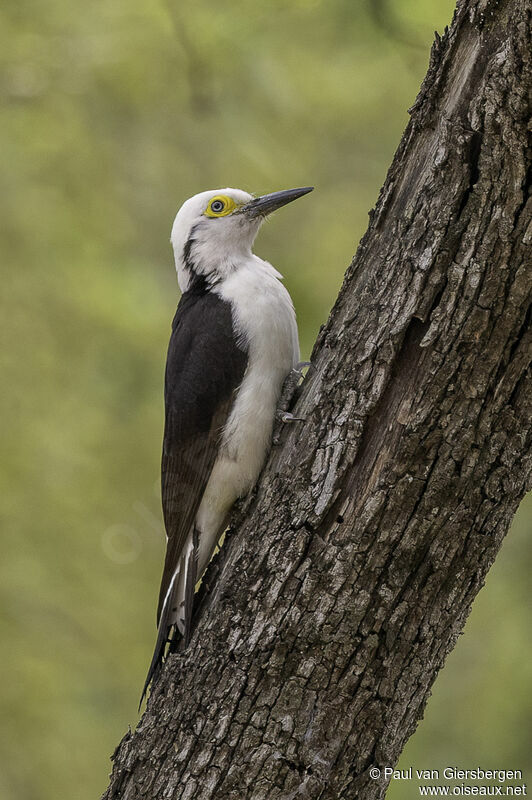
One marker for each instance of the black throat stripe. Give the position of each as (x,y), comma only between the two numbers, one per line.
(198,282)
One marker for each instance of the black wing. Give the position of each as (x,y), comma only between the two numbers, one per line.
(205,365)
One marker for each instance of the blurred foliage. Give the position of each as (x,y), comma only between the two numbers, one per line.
(113,113)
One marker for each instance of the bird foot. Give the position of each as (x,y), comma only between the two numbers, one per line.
(300,366)
(290,385)
(286,400)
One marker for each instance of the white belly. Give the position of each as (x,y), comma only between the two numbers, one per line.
(263,315)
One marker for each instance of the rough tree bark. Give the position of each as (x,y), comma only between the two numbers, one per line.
(351,573)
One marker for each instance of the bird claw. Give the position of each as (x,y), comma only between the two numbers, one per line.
(301,365)
(286,416)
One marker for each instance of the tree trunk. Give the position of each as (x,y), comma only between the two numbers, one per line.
(352,571)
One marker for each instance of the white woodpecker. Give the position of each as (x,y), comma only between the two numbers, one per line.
(234,341)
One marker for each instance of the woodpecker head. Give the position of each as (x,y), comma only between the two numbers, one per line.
(214,230)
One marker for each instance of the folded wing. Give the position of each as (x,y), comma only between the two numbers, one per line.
(205,365)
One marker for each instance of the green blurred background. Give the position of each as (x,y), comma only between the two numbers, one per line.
(113,113)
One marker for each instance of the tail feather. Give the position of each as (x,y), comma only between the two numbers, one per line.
(156,661)
(190,584)
(164,629)
(172,602)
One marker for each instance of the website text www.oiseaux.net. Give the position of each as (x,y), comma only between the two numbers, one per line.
(465,782)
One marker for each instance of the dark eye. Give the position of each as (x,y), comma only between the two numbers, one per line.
(217,206)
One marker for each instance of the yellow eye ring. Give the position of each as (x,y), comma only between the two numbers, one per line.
(220,206)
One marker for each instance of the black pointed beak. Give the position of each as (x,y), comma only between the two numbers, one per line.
(262,206)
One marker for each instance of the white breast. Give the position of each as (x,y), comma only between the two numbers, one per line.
(263,315)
